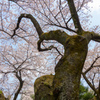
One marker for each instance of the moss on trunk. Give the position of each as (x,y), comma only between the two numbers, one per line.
(68,70)
(2,96)
(66,81)
(43,88)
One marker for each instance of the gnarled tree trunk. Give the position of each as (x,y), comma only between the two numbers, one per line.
(68,70)
(66,81)
(65,84)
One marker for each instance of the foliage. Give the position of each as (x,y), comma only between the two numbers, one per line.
(32,96)
(0,92)
(84,93)
(2,95)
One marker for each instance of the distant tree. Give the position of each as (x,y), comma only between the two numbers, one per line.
(18,69)
(84,93)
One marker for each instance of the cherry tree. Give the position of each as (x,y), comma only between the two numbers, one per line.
(19,68)
(63,21)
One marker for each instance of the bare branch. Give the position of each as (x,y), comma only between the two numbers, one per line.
(49,48)
(92,65)
(61,12)
(75,16)
(5,32)
(64,27)
(20,85)
(92,85)
(57,35)
(76,11)
(96,66)
(96,37)
(51,13)
(89,83)
(34,21)
(14,0)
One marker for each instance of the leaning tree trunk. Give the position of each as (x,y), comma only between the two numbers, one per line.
(68,70)
(66,81)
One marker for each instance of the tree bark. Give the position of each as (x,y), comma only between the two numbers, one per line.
(68,71)
(74,16)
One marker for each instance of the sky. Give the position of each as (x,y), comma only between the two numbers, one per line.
(95,12)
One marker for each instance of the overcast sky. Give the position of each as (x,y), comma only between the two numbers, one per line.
(95,11)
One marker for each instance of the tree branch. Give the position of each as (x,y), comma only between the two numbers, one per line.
(34,21)
(99,88)
(59,36)
(89,83)
(91,36)
(64,27)
(46,49)
(76,11)
(75,16)
(20,86)
(96,37)
(92,65)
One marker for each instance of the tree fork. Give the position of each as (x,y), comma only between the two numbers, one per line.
(33,20)
(75,16)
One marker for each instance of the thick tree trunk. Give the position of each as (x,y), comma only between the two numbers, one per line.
(68,70)
(98,97)
(66,80)
(43,88)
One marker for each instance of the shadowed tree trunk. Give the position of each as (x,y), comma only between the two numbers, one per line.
(69,68)
(66,80)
